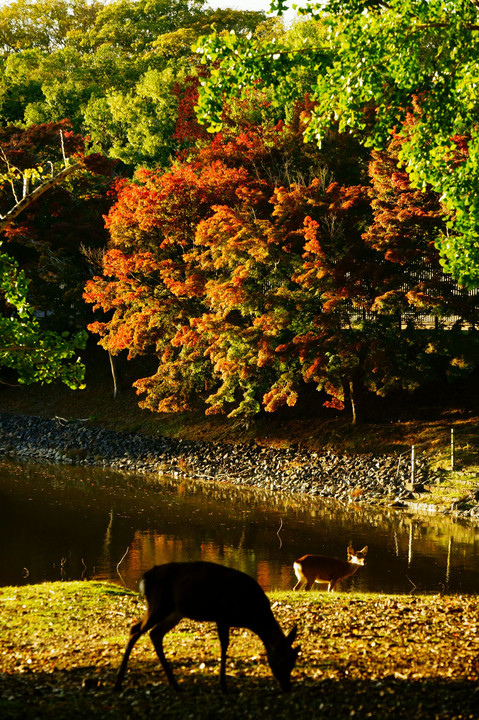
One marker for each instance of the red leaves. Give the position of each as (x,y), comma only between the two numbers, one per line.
(188,130)
(282,393)
(247,285)
(118,264)
(226,258)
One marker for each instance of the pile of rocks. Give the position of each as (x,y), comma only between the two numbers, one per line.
(345,477)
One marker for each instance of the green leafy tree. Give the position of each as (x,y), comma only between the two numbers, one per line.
(132,27)
(44,24)
(29,352)
(409,66)
(113,69)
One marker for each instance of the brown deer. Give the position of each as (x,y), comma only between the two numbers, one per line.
(318,568)
(209,592)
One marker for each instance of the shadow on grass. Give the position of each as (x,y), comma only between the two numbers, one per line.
(88,692)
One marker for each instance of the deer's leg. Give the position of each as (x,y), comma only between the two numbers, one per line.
(136,632)
(224,636)
(302,579)
(157,635)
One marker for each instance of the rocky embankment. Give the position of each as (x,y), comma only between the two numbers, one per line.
(367,478)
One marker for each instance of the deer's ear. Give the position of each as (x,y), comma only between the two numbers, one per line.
(351,550)
(365,550)
(291,636)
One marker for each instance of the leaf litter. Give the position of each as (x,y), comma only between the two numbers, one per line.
(362,656)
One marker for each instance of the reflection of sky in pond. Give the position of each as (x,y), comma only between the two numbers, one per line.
(65,522)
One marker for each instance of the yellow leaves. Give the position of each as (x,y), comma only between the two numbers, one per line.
(273,321)
(191,286)
(389,302)
(28,177)
(224,296)
(422,300)
(283,392)
(250,195)
(259,252)
(460,362)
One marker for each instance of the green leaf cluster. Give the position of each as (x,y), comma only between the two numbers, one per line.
(33,354)
(287,63)
(408,67)
(111,68)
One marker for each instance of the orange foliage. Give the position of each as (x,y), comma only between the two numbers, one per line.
(244,283)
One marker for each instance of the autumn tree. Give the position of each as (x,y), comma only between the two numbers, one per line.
(406,223)
(204,265)
(52,198)
(152,286)
(378,64)
(332,296)
(414,325)
(262,267)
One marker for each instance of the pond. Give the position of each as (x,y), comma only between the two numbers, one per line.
(63,522)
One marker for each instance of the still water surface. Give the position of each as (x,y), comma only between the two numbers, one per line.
(71,523)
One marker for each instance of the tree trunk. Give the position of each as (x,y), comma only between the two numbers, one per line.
(116,376)
(355,395)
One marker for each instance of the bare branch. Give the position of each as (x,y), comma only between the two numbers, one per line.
(7,163)
(7,219)
(65,159)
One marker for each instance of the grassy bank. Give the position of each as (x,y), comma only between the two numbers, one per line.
(361,656)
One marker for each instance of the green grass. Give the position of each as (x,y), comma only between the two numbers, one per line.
(361,655)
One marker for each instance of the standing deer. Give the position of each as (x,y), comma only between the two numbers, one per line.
(209,592)
(318,568)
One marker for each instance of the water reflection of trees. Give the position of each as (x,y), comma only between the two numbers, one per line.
(258,531)
(403,534)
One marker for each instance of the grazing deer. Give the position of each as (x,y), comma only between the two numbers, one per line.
(318,568)
(210,592)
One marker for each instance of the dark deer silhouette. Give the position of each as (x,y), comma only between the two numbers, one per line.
(209,592)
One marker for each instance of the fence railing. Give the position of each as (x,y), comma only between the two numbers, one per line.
(452,456)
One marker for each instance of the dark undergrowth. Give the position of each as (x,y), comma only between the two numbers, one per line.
(392,425)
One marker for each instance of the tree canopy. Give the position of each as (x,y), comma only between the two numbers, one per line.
(115,70)
(51,198)
(299,247)
(406,66)
(262,265)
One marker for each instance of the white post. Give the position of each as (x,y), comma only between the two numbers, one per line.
(409,554)
(448,565)
(452,449)
(410,484)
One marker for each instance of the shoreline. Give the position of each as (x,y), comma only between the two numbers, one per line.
(363,478)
